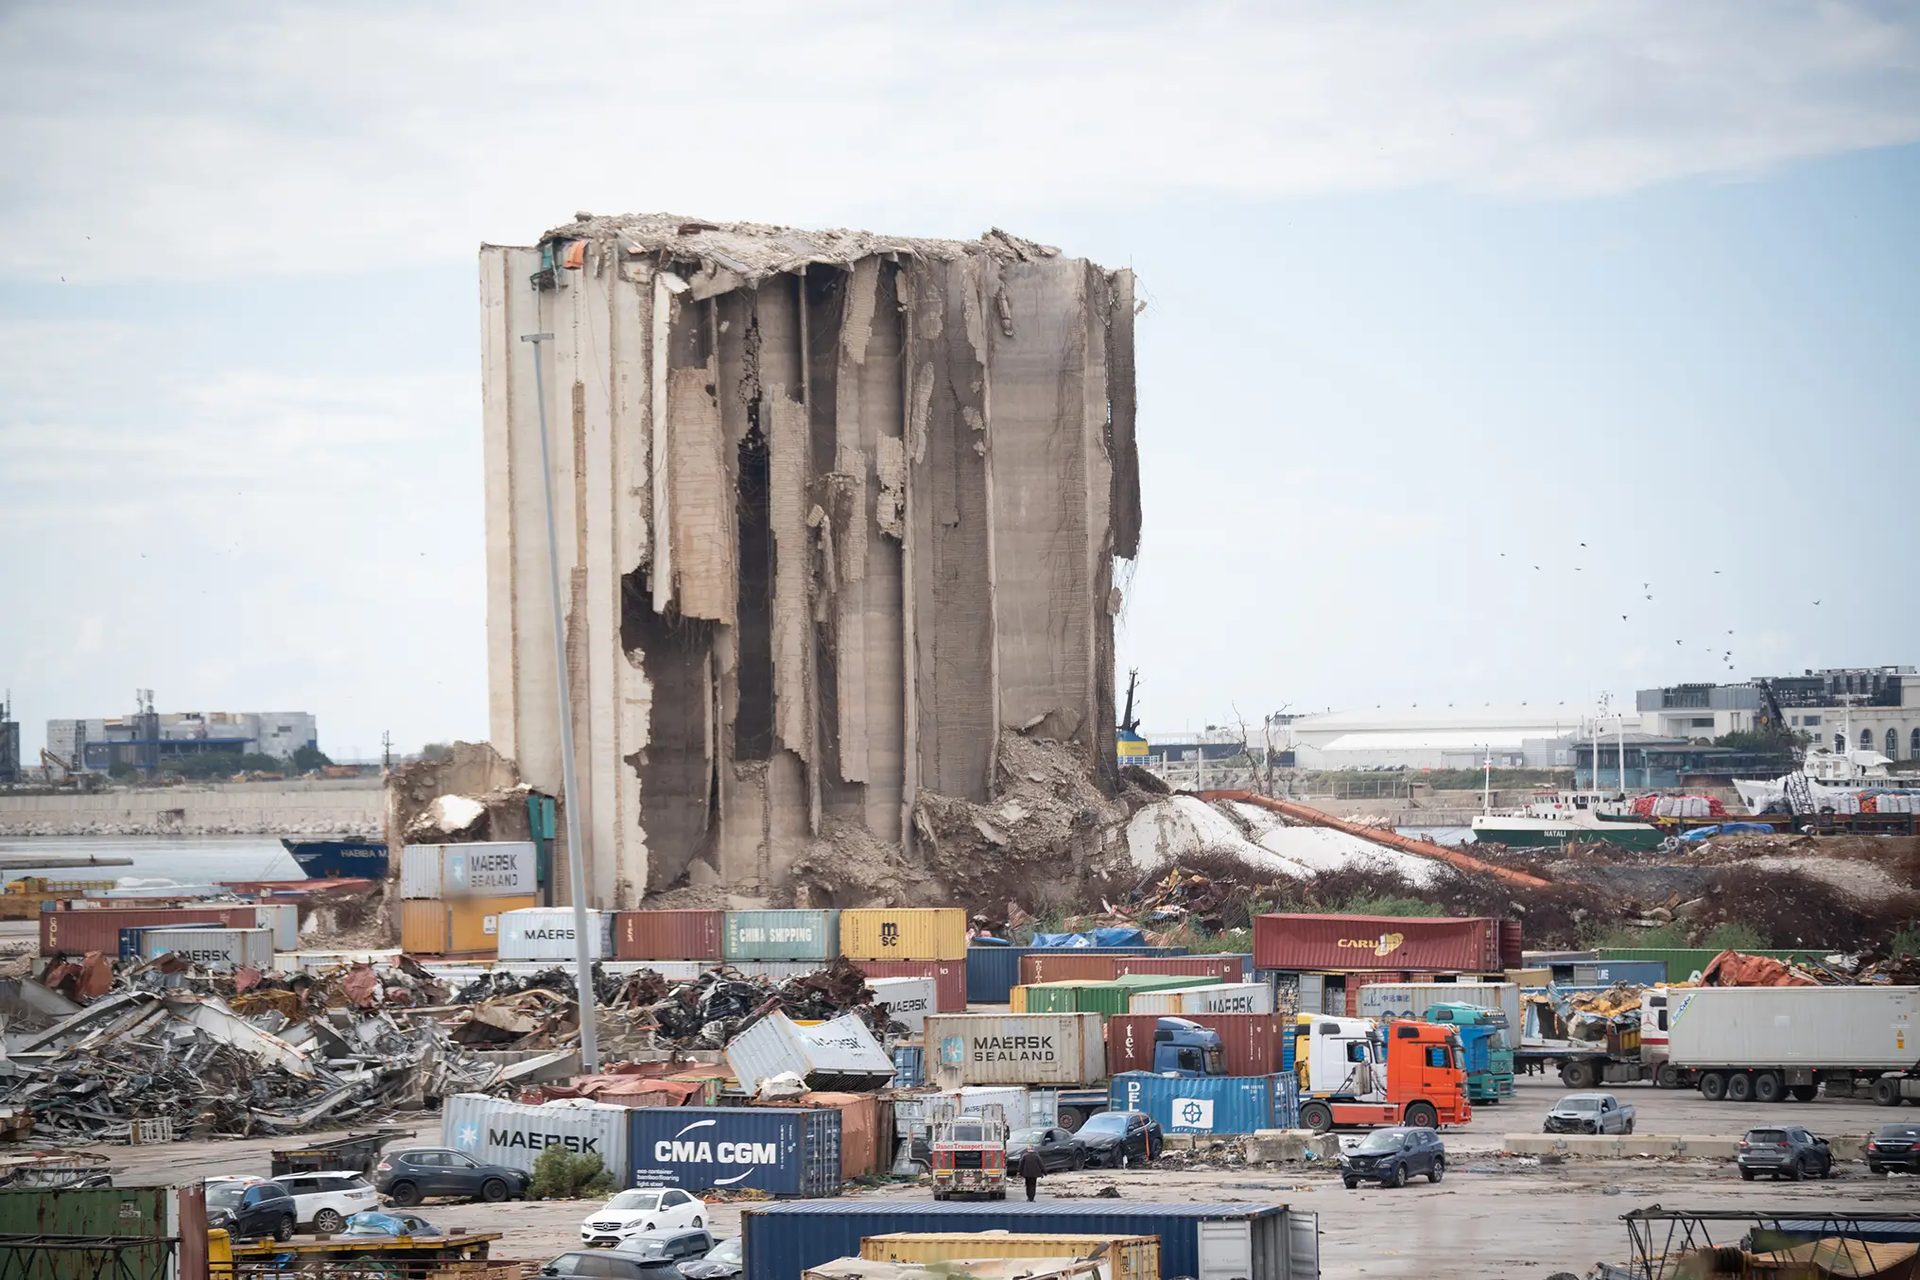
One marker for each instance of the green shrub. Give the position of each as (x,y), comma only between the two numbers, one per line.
(558,1174)
(1738,937)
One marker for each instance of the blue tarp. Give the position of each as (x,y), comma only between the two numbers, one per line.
(1727,829)
(1092,938)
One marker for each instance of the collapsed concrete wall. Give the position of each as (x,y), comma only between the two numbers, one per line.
(835,511)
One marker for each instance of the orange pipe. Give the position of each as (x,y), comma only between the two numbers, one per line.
(1391,839)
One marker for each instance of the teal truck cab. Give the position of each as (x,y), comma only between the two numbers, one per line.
(1483,1039)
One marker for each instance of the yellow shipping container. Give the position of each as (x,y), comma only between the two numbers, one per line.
(1133,1257)
(904,933)
(470,926)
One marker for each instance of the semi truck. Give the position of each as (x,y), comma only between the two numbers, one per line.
(1484,1044)
(1357,1073)
(1767,1044)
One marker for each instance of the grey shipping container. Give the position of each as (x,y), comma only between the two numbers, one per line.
(783,1151)
(284,919)
(780,935)
(495,1131)
(837,1055)
(480,869)
(1203,1241)
(1413,999)
(220,949)
(1015,1048)
(1604,973)
(546,933)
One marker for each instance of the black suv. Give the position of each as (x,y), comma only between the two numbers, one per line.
(1894,1148)
(1391,1156)
(410,1176)
(249,1210)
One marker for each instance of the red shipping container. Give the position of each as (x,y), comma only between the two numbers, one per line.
(1347,944)
(667,935)
(1252,1042)
(1510,956)
(1226,967)
(1105,966)
(98,929)
(949,978)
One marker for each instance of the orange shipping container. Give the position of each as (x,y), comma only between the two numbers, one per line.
(470,926)
(866,1131)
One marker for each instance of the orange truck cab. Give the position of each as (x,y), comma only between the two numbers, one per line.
(1356,1073)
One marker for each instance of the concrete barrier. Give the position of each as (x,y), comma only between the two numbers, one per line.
(1278,1146)
(1621,1146)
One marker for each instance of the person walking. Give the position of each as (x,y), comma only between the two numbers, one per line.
(1031,1167)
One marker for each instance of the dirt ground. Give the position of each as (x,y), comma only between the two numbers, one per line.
(1493,1215)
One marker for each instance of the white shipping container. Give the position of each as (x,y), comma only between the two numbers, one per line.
(283,918)
(776,970)
(839,1055)
(478,869)
(913,1113)
(1413,999)
(495,1131)
(1015,1048)
(1222,997)
(908,1000)
(221,949)
(546,933)
(1865,1028)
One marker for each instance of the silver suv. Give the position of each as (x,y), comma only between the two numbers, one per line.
(1786,1152)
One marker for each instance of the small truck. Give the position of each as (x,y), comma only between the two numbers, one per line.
(1590,1113)
(970,1156)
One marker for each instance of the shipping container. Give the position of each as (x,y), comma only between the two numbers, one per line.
(1539,977)
(780,935)
(908,1000)
(949,978)
(91,1213)
(478,869)
(914,1114)
(1103,998)
(496,1131)
(1413,999)
(1053,964)
(1685,963)
(1205,1241)
(1254,1044)
(547,933)
(1815,1028)
(98,929)
(992,972)
(469,927)
(211,948)
(782,1151)
(1221,997)
(1353,943)
(866,1131)
(840,1055)
(1209,1104)
(667,935)
(1131,1257)
(904,933)
(1010,1048)
(1604,973)
(283,918)
(909,1066)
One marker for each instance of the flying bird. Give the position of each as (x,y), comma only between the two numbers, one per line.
(1623,617)
(1583,544)
(1816,602)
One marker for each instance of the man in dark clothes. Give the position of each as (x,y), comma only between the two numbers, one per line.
(1031,1167)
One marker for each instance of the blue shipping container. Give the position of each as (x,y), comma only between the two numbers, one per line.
(1209,1104)
(783,1151)
(780,935)
(782,1240)
(909,1066)
(993,972)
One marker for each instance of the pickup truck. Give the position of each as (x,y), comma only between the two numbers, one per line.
(1590,1113)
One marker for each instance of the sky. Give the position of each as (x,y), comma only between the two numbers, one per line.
(1469,327)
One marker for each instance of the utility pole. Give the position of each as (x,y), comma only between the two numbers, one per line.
(576,846)
(386,750)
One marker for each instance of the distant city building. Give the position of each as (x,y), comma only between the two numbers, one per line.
(154,740)
(1441,736)
(9,743)
(1844,708)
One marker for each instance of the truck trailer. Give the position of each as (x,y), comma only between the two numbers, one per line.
(1766,1044)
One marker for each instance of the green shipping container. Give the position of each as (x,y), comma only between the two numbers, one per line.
(1683,962)
(100,1213)
(1103,998)
(1163,981)
(780,935)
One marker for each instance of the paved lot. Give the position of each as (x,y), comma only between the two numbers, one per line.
(1492,1216)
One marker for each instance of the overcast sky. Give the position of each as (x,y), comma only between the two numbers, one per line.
(1437,293)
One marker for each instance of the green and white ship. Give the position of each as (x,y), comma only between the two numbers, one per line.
(1568,815)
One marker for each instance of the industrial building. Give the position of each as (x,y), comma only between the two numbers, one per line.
(1440,736)
(1845,708)
(148,740)
(9,742)
(838,514)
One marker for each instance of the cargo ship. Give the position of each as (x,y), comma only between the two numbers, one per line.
(339,859)
(1570,815)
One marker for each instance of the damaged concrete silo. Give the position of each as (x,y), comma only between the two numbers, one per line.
(837,511)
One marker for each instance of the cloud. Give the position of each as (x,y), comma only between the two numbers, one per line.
(218,139)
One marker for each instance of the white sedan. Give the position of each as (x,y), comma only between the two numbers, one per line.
(632,1212)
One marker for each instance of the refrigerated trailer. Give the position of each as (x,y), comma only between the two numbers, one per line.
(1766,1044)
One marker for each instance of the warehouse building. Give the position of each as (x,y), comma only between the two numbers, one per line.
(149,740)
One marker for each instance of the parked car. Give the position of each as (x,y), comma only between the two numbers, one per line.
(632,1212)
(1114,1139)
(1590,1113)
(1894,1148)
(604,1265)
(248,1208)
(725,1261)
(1786,1152)
(327,1199)
(408,1177)
(1058,1149)
(379,1222)
(675,1245)
(1391,1156)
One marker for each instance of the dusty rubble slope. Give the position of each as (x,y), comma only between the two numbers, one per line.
(838,514)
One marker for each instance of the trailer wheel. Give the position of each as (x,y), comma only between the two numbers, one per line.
(1317,1116)
(1667,1076)
(1739,1087)
(1769,1086)
(1580,1075)
(1886,1091)
(1071,1118)
(1713,1085)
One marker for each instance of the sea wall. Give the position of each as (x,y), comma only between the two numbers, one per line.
(348,806)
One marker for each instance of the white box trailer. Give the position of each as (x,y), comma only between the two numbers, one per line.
(1760,1044)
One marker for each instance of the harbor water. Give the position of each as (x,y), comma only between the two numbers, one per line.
(185,859)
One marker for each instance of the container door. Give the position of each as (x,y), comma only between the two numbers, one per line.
(1303,1246)
(1312,988)
(1226,1251)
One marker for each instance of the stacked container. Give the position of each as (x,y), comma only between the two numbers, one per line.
(1108,999)
(547,933)
(221,950)
(98,928)
(949,978)
(782,1151)
(780,935)
(993,971)
(1219,997)
(1081,966)
(453,895)
(496,1131)
(904,933)
(1210,1104)
(1253,1044)
(1061,1049)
